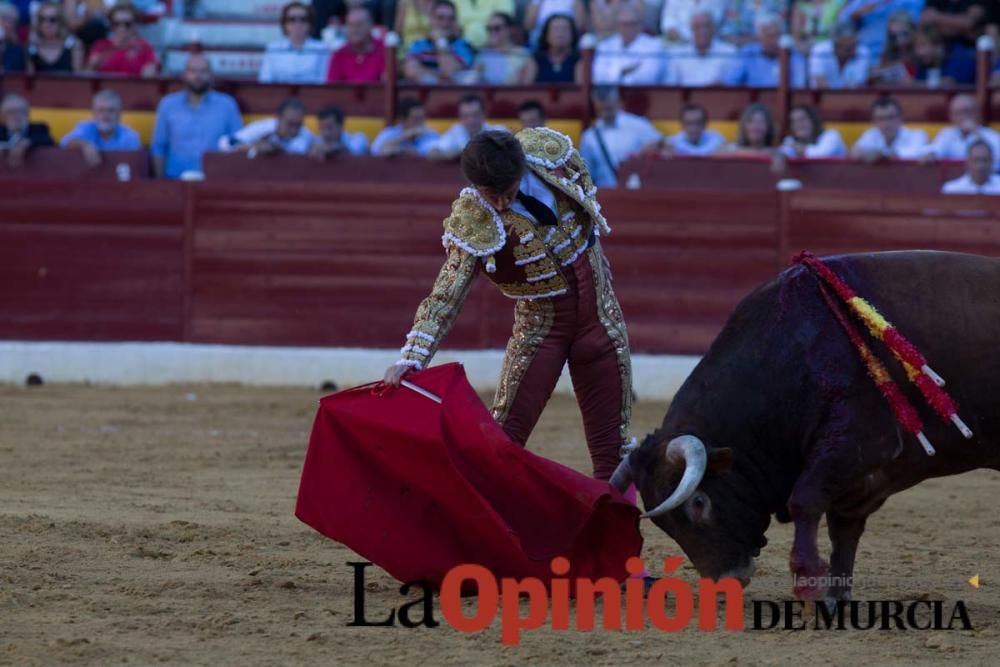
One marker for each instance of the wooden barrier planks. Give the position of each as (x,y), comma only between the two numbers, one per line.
(82,261)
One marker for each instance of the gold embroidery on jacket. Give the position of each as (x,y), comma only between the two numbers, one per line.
(437,313)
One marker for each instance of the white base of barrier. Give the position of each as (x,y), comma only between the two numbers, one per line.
(655,376)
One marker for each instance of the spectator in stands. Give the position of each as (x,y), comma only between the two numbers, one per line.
(413,21)
(530,114)
(706,61)
(124,51)
(297,58)
(756,133)
(871,19)
(12,56)
(614,136)
(995,76)
(362,59)
(952,143)
(105,132)
(603,13)
(979,178)
(889,139)
(694,137)
(410,135)
(742,19)
(677,15)
(191,121)
(443,56)
(285,133)
(471,121)
(556,60)
(52,48)
(86,19)
(813,21)
(758,62)
(333,139)
(933,68)
(960,22)
(898,63)
(474,15)
(629,57)
(333,14)
(502,62)
(839,62)
(18,134)
(807,138)
(538,13)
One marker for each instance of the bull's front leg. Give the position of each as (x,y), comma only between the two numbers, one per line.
(806,506)
(845,533)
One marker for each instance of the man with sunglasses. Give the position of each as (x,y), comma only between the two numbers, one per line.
(124,51)
(443,56)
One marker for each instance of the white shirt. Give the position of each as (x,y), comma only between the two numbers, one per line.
(676,14)
(454,139)
(964,185)
(261,129)
(283,63)
(629,134)
(827,144)
(645,52)
(709,142)
(909,143)
(533,186)
(949,144)
(355,143)
(719,65)
(823,62)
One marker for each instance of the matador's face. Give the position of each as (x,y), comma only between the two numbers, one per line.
(499,201)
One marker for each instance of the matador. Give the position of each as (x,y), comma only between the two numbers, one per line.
(531,223)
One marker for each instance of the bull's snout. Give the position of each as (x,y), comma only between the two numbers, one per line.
(742,574)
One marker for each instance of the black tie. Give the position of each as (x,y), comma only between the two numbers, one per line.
(542,213)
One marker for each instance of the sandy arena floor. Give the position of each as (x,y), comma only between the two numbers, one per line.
(150,526)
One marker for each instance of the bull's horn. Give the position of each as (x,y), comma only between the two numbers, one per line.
(622,476)
(692,451)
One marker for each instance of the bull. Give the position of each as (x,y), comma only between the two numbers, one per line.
(780,417)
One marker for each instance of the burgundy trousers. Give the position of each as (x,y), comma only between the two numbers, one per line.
(584,328)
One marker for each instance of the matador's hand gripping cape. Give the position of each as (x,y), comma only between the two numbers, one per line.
(418,488)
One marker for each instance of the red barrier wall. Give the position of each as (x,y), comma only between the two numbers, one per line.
(345,264)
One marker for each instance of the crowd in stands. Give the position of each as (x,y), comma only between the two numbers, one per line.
(699,42)
(834,43)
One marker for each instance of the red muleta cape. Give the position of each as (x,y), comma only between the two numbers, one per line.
(419,487)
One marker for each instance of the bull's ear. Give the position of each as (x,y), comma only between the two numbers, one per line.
(720,460)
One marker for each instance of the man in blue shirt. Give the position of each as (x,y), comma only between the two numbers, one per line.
(410,136)
(758,63)
(191,121)
(105,132)
(443,56)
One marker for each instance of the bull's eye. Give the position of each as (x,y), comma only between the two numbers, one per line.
(698,508)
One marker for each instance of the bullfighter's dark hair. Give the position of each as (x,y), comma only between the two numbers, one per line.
(493,159)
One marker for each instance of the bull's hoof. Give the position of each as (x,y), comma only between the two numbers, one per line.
(810,580)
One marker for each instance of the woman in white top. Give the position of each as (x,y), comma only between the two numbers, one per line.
(296,58)
(539,11)
(807,138)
